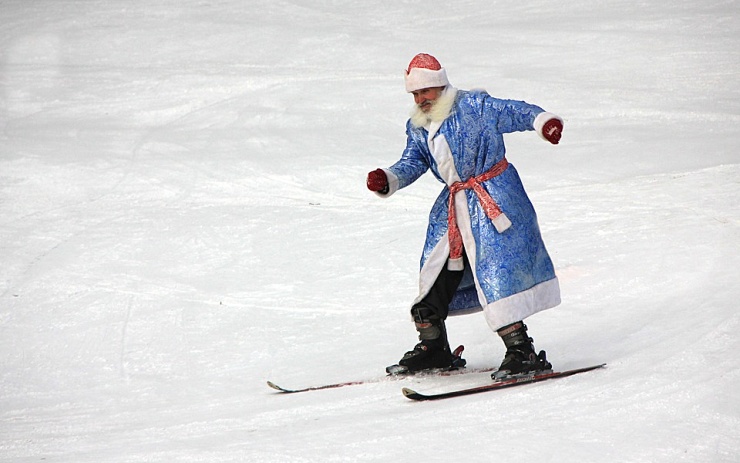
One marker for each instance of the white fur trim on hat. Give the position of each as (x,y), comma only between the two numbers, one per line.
(420,78)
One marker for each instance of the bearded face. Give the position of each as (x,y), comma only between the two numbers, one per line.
(426,97)
(432,104)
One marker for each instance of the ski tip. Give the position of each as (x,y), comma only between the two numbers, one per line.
(276,387)
(413,395)
(409,392)
(600,365)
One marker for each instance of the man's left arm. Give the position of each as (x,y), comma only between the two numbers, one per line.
(518,116)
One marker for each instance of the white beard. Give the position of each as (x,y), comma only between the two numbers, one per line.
(439,111)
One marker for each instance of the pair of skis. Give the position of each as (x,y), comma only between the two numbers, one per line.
(507,382)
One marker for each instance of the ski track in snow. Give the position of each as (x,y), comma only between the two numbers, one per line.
(183,216)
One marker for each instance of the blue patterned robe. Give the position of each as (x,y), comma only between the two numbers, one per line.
(512,275)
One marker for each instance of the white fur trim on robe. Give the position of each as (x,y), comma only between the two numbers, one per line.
(519,306)
(442,155)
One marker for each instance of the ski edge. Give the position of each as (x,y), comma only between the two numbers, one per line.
(446,373)
(417,396)
(314,388)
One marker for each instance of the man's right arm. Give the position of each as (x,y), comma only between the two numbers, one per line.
(412,165)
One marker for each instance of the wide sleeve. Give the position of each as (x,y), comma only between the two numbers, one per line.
(412,165)
(512,115)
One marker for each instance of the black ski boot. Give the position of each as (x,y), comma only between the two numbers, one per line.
(521,357)
(433,350)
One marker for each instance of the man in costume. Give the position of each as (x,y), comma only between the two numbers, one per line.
(483,248)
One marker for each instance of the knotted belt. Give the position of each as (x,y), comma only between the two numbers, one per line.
(492,210)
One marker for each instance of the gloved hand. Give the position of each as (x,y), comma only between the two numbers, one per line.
(377,181)
(552,131)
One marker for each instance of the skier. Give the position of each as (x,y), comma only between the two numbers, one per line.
(483,248)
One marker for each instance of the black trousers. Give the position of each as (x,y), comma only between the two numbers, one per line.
(439,297)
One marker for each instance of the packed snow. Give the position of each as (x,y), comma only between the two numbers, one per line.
(183,216)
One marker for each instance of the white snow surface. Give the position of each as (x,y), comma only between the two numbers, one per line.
(183,216)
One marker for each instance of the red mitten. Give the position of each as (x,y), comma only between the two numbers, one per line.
(552,131)
(377,181)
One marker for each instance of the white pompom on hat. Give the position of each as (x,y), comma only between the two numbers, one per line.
(424,71)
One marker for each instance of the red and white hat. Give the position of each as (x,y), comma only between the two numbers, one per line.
(424,71)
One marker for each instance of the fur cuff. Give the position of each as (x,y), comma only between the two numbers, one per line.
(392,184)
(540,121)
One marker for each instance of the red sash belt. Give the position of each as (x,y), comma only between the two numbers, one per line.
(492,210)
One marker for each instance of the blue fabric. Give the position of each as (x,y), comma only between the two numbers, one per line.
(506,263)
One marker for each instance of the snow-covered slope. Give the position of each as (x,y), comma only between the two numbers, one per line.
(183,216)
